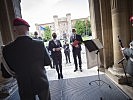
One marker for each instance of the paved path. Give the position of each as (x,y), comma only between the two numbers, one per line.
(68,69)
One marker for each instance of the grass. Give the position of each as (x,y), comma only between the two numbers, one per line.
(87,38)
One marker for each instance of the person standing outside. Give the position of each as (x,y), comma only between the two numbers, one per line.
(76,41)
(35,35)
(55,48)
(67,52)
(27,58)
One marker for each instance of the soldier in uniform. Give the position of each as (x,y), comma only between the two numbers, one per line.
(27,58)
(129,53)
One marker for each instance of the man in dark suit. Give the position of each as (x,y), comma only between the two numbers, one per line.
(76,41)
(35,35)
(27,58)
(67,52)
(55,48)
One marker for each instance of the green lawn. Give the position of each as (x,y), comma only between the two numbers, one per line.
(87,38)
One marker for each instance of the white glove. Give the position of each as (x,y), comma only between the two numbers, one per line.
(122,49)
(53,49)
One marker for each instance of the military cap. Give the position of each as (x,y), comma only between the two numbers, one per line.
(20,21)
(131,19)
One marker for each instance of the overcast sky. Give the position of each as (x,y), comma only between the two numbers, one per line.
(42,11)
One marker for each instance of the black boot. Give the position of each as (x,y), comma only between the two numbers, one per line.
(61,75)
(58,76)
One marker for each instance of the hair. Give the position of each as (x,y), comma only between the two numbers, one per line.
(53,33)
(73,30)
(35,33)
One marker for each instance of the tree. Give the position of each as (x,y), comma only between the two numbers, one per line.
(88,28)
(47,33)
(83,27)
(80,27)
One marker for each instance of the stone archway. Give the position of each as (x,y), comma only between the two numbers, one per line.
(107,16)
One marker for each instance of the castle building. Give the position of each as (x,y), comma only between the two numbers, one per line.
(62,26)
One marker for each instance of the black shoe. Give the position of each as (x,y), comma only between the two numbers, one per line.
(80,70)
(61,76)
(75,70)
(58,76)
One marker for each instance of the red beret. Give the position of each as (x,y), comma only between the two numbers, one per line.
(20,21)
(131,19)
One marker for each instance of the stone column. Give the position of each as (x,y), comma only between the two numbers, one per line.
(1,43)
(69,28)
(9,10)
(120,26)
(7,14)
(5,22)
(95,19)
(130,9)
(17,8)
(56,25)
(106,26)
